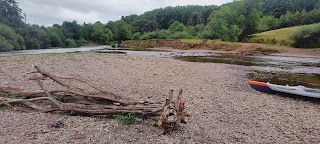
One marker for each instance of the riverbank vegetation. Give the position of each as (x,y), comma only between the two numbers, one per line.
(233,22)
(284,36)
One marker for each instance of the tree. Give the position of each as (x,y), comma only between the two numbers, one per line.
(234,21)
(8,35)
(70,43)
(177,27)
(268,23)
(10,13)
(71,29)
(121,31)
(277,8)
(5,45)
(86,30)
(101,34)
(56,36)
(136,36)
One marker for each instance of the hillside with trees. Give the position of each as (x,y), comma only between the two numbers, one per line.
(233,22)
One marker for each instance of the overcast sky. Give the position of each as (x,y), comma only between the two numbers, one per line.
(48,12)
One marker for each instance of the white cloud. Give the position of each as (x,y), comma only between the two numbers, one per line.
(48,12)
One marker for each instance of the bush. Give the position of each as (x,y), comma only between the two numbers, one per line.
(81,42)
(136,36)
(307,38)
(70,43)
(160,34)
(5,45)
(181,35)
(126,118)
(12,37)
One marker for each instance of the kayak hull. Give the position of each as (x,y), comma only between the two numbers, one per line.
(285,90)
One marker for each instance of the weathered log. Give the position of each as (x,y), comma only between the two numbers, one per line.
(98,102)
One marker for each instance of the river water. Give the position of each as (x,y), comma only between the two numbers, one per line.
(54,50)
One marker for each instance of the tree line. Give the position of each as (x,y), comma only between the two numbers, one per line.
(15,34)
(230,22)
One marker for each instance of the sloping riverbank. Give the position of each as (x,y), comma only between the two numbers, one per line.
(221,47)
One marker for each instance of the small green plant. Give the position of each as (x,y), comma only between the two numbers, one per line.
(155,123)
(106,119)
(126,118)
(3,107)
(46,103)
(13,96)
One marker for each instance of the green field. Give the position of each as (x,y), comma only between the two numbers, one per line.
(279,36)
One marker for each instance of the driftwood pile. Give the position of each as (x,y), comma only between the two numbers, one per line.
(72,97)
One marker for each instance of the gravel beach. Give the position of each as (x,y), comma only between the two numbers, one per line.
(223,108)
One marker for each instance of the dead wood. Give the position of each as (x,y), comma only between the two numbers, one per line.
(94,100)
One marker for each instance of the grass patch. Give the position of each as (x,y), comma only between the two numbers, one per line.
(13,96)
(194,41)
(3,107)
(126,118)
(279,36)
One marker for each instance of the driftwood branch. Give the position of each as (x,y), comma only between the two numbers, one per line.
(71,97)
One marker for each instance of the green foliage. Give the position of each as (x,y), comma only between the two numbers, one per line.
(10,13)
(299,18)
(70,43)
(32,43)
(71,29)
(176,27)
(101,34)
(3,107)
(126,118)
(176,31)
(5,45)
(279,36)
(136,36)
(180,35)
(155,123)
(307,37)
(13,96)
(162,18)
(46,103)
(81,42)
(121,31)
(160,34)
(280,7)
(55,40)
(267,23)
(9,36)
(233,21)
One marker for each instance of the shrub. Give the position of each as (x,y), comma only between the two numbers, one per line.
(136,36)
(307,38)
(161,34)
(5,45)
(180,35)
(70,43)
(14,39)
(126,118)
(81,42)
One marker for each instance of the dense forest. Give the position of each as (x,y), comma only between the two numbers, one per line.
(230,22)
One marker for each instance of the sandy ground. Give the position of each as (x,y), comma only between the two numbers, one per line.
(223,108)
